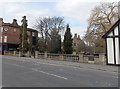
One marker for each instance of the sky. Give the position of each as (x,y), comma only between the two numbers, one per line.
(75,12)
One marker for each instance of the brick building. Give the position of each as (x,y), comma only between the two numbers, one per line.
(10,32)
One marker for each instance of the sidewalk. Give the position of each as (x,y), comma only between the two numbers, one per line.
(81,65)
(71,64)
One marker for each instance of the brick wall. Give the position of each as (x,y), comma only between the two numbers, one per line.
(12,34)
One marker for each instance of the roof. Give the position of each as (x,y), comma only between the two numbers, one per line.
(30,29)
(111,29)
(14,24)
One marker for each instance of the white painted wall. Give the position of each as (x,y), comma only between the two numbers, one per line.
(117,51)
(110,51)
(116,31)
(117,46)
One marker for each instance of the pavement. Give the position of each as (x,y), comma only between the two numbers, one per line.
(30,72)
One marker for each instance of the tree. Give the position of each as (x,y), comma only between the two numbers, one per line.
(101,20)
(50,29)
(67,42)
(23,36)
(55,42)
(41,45)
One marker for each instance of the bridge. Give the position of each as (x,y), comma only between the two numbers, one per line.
(34,72)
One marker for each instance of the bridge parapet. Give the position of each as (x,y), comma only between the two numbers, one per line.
(94,59)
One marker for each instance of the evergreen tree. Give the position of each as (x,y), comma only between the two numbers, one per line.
(23,45)
(67,42)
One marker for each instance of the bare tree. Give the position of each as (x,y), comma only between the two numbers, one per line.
(101,20)
(47,25)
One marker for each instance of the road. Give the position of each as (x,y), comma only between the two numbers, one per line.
(19,72)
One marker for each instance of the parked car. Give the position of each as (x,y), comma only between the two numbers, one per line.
(86,53)
(96,54)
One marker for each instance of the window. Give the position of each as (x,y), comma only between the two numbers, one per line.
(14,30)
(1,29)
(6,29)
(28,40)
(28,32)
(74,44)
(33,40)
(33,34)
(0,38)
(5,38)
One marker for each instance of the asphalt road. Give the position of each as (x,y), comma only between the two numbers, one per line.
(18,72)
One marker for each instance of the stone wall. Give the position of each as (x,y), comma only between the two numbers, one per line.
(101,59)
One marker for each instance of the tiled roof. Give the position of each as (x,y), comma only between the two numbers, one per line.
(14,24)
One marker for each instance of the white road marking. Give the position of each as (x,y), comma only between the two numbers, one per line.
(34,69)
(48,63)
(115,77)
(76,67)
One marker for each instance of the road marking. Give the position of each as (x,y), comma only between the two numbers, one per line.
(34,69)
(78,67)
(47,63)
(115,77)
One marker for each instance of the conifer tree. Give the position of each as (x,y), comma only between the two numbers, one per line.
(67,42)
(23,45)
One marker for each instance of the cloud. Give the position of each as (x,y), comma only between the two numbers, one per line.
(76,14)
(57,0)
(17,10)
(29,0)
(76,9)
(78,30)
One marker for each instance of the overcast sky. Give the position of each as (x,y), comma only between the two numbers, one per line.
(75,12)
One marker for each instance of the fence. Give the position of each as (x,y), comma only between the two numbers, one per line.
(94,59)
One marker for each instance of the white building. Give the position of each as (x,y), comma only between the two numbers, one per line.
(112,38)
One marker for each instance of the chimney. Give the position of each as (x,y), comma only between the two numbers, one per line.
(78,36)
(75,35)
(14,23)
(1,21)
